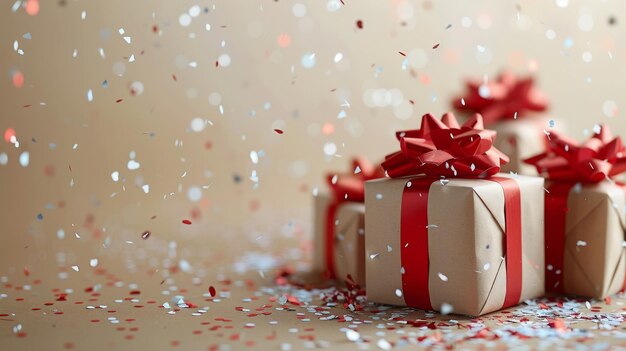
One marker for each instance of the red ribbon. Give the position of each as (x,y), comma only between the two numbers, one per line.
(506,98)
(345,187)
(567,162)
(414,241)
(555,220)
(623,188)
(446,149)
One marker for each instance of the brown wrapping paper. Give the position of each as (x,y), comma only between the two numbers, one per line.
(466,245)
(349,248)
(520,139)
(594,260)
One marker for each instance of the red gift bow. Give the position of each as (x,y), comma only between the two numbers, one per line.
(600,157)
(346,187)
(507,97)
(443,148)
(568,162)
(351,186)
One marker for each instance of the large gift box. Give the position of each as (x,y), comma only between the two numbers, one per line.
(585,214)
(447,232)
(510,106)
(338,231)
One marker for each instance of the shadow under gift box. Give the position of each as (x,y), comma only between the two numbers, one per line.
(348,242)
(585,227)
(466,263)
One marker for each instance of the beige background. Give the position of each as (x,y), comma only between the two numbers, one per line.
(264,87)
(299,100)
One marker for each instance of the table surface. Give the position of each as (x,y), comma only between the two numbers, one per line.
(158,293)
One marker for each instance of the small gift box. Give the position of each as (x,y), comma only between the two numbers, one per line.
(585,214)
(510,106)
(447,232)
(339,241)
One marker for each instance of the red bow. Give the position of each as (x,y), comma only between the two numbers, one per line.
(351,186)
(600,157)
(502,99)
(443,148)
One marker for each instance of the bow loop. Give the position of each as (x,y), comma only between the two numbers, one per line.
(443,148)
(592,161)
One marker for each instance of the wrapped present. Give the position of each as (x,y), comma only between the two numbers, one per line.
(511,107)
(585,219)
(339,241)
(447,232)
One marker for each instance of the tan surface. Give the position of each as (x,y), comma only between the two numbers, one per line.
(74,191)
(467,235)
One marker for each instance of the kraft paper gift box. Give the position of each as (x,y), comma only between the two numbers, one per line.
(520,139)
(338,230)
(585,215)
(468,244)
(348,241)
(511,107)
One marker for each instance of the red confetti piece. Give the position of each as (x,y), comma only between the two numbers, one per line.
(32,7)
(8,134)
(278,131)
(26,271)
(118,101)
(212,291)
(401,53)
(174,78)
(18,79)
(359,24)
(186,221)
(557,324)
(436,46)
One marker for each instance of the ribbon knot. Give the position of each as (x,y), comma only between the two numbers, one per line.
(443,148)
(592,161)
(505,98)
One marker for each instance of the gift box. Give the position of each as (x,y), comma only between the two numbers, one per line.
(446,232)
(512,108)
(339,242)
(585,214)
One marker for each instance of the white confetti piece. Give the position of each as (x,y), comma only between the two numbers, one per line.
(383,344)
(446,308)
(442,277)
(352,335)
(133,165)
(24,159)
